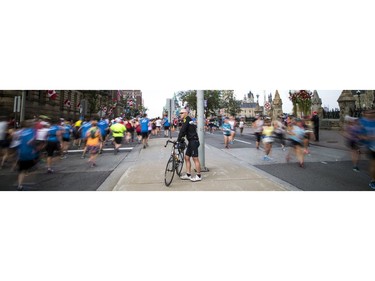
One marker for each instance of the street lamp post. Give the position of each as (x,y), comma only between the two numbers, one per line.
(358,93)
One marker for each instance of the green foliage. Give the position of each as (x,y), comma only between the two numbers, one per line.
(212,96)
(229,103)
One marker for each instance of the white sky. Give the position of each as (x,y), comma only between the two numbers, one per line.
(155,100)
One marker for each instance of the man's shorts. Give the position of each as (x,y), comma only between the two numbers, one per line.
(145,135)
(93,149)
(192,148)
(51,147)
(118,140)
(24,165)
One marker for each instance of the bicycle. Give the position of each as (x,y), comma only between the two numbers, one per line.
(175,161)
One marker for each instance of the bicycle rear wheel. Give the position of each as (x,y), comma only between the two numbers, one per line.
(169,171)
(180,163)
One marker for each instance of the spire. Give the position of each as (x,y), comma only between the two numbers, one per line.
(277,95)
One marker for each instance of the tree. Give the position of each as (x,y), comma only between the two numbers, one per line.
(92,99)
(229,103)
(211,96)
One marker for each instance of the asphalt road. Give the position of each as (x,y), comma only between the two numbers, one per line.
(71,174)
(326,169)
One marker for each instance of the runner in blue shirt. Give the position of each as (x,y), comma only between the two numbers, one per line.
(296,134)
(67,132)
(103,127)
(166,125)
(368,137)
(144,130)
(27,153)
(54,140)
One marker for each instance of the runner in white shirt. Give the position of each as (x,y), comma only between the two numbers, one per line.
(158,125)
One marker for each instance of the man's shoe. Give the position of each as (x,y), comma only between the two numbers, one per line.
(50,171)
(185,177)
(372,184)
(20,188)
(196,178)
(355,169)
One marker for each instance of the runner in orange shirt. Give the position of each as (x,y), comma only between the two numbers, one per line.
(94,138)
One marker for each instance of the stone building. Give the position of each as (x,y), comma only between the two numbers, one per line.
(70,104)
(248,105)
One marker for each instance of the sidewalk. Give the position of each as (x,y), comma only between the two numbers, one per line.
(225,173)
(331,139)
(143,170)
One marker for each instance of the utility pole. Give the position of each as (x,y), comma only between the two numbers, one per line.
(170,118)
(23,103)
(200,121)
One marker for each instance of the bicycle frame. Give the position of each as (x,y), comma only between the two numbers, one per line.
(174,164)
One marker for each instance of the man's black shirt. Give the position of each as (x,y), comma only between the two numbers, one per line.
(188,130)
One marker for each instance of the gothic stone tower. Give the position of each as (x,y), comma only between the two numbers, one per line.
(277,106)
(316,104)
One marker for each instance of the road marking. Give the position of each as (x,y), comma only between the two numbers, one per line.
(243,141)
(104,149)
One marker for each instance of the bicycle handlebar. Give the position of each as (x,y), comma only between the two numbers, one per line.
(169,141)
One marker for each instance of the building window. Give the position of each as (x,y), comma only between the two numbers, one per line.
(41,97)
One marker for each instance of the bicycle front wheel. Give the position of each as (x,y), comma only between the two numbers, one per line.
(180,163)
(169,171)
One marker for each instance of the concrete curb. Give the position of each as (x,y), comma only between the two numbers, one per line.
(111,181)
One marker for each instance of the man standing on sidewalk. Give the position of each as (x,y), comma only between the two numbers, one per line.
(315,120)
(189,130)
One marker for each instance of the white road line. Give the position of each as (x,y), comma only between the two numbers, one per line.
(243,141)
(105,149)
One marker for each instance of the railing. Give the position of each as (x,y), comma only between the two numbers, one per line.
(332,114)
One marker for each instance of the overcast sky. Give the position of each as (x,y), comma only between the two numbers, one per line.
(155,100)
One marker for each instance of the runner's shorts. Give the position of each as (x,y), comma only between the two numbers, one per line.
(24,165)
(118,140)
(93,149)
(51,147)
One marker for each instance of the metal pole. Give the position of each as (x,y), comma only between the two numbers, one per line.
(23,102)
(170,118)
(15,110)
(200,121)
